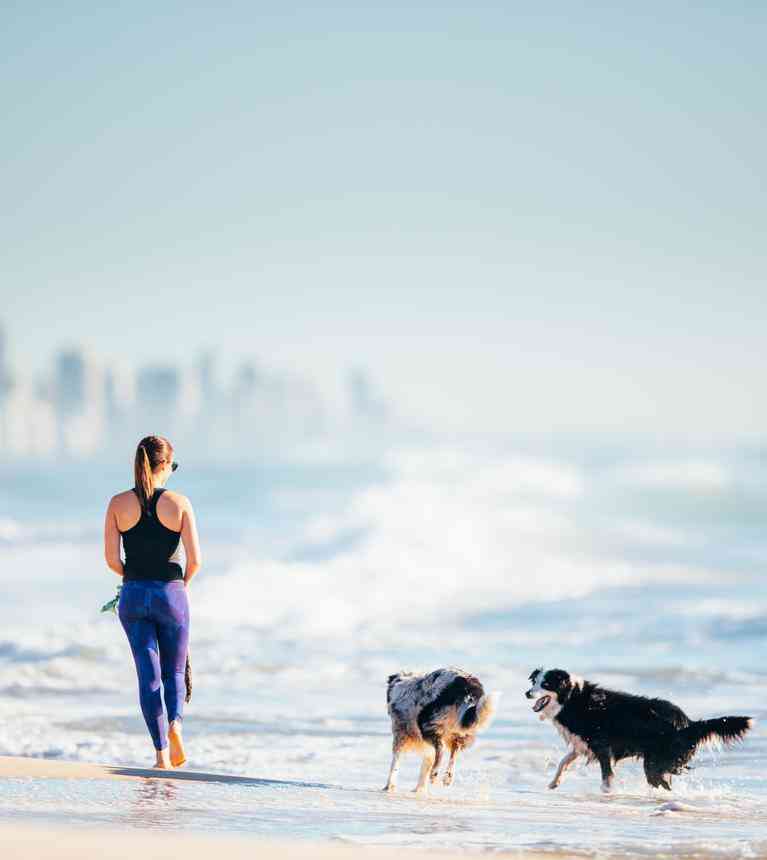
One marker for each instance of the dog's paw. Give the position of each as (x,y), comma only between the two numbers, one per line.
(389,789)
(421,791)
(433,777)
(447,779)
(607,788)
(554,783)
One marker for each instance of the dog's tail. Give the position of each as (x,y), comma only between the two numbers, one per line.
(724,730)
(478,716)
(685,742)
(721,730)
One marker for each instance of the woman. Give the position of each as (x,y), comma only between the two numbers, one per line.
(153,608)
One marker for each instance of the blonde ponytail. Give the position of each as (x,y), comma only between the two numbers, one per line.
(152,451)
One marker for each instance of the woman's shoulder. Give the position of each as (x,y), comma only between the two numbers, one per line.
(120,499)
(178,500)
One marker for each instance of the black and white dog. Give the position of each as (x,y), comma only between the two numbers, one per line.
(607,726)
(432,713)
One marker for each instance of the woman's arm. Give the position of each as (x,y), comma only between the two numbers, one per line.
(191,541)
(112,541)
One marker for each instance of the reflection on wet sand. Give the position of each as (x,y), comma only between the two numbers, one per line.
(153,804)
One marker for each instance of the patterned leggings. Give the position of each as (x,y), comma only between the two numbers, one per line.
(155,617)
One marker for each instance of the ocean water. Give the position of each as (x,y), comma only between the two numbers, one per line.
(640,567)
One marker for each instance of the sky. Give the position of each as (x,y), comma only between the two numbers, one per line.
(517,218)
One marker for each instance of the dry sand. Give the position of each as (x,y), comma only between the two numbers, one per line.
(57,844)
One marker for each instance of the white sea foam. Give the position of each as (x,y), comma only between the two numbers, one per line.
(446,534)
(451,526)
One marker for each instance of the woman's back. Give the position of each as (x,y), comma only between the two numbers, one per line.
(151,536)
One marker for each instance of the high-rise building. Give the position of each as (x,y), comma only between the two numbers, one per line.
(119,408)
(4,390)
(365,401)
(27,417)
(168,403)
(78,394)
(273,410)
(119,392)
(71,384)
(6,378)
(207,375)
(27,423)
(244,402)
(158,388)
(158,391)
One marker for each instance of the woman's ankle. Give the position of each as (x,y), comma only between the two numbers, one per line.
(162,758)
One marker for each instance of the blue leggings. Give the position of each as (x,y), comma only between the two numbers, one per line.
(155,617)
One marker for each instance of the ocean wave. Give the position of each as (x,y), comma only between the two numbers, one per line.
(448,534)
(447,553)
(752,627)
(19,652)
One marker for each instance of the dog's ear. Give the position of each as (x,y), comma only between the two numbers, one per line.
(390,682)
(534,673)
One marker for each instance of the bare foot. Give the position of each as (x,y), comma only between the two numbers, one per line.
(162,760)
(176,742)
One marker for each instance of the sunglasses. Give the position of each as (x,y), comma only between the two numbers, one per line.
(173,466)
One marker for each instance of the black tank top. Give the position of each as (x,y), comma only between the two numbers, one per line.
(151,549)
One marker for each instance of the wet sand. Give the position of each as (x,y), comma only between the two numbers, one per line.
(17,767)
(23,842)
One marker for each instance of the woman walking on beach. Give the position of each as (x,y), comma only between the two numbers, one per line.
(153,607)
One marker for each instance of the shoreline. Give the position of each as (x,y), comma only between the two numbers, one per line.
(71,809)
(21,767)
(49,841)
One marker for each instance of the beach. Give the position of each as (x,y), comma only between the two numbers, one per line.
(35,843)
(64,843)
(441,325)
(28,844)
(79,809)
(498,562)
(116,845)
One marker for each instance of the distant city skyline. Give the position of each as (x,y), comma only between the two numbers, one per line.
(517,218)
(82,404)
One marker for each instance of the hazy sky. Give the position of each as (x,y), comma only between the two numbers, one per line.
(516,217)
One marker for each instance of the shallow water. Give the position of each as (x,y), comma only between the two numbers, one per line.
(638,570)
(486,816)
